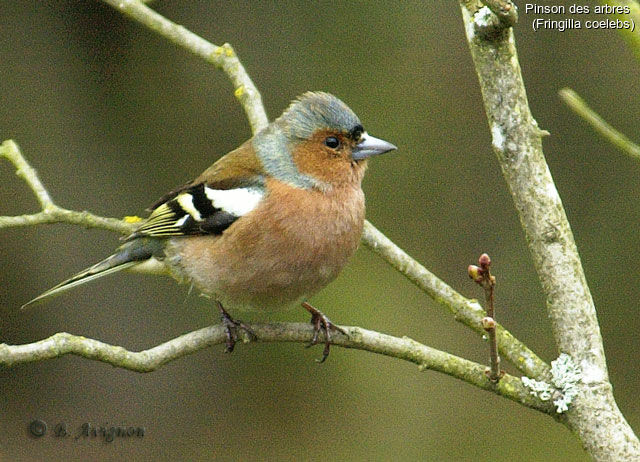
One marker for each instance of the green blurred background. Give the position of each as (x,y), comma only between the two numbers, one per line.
(113,116)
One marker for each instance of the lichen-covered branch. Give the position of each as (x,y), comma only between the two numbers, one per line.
(580,107)
(517,142)
(148,360)
(505,10)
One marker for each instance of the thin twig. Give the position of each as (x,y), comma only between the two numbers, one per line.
(51,213)
(465,311)
(580,107)
(482,276)
(11,151)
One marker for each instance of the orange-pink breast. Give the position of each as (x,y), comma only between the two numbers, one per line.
(292,245)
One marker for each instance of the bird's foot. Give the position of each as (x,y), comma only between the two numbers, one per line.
(321,322)
(231,327)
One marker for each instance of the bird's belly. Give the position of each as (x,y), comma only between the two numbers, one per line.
(271,287)
(263,273)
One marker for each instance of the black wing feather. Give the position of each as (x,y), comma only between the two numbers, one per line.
(188,211)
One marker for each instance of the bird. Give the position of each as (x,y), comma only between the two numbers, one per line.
(266,226)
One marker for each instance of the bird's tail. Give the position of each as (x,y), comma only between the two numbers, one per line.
(129,254)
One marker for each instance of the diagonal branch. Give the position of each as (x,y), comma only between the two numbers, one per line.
(466,311)
(148,360)
(27,173)
(223,57)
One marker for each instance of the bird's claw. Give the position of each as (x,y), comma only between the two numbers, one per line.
(231,327)
(321,322)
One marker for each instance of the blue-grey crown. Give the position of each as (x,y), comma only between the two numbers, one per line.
(316,110)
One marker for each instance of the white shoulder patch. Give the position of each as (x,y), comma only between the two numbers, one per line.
(238,202)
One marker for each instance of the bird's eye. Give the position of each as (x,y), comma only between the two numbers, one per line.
(332,142)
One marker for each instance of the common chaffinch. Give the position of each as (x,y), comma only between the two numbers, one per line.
(267,225)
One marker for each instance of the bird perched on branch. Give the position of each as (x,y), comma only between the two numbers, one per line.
(267,225)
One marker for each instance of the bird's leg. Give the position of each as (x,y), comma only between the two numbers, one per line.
(231,327)
(321,322)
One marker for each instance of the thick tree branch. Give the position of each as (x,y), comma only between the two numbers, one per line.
(517,142)
(505,10)
(148,360)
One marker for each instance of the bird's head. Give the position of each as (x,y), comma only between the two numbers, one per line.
(325,140)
